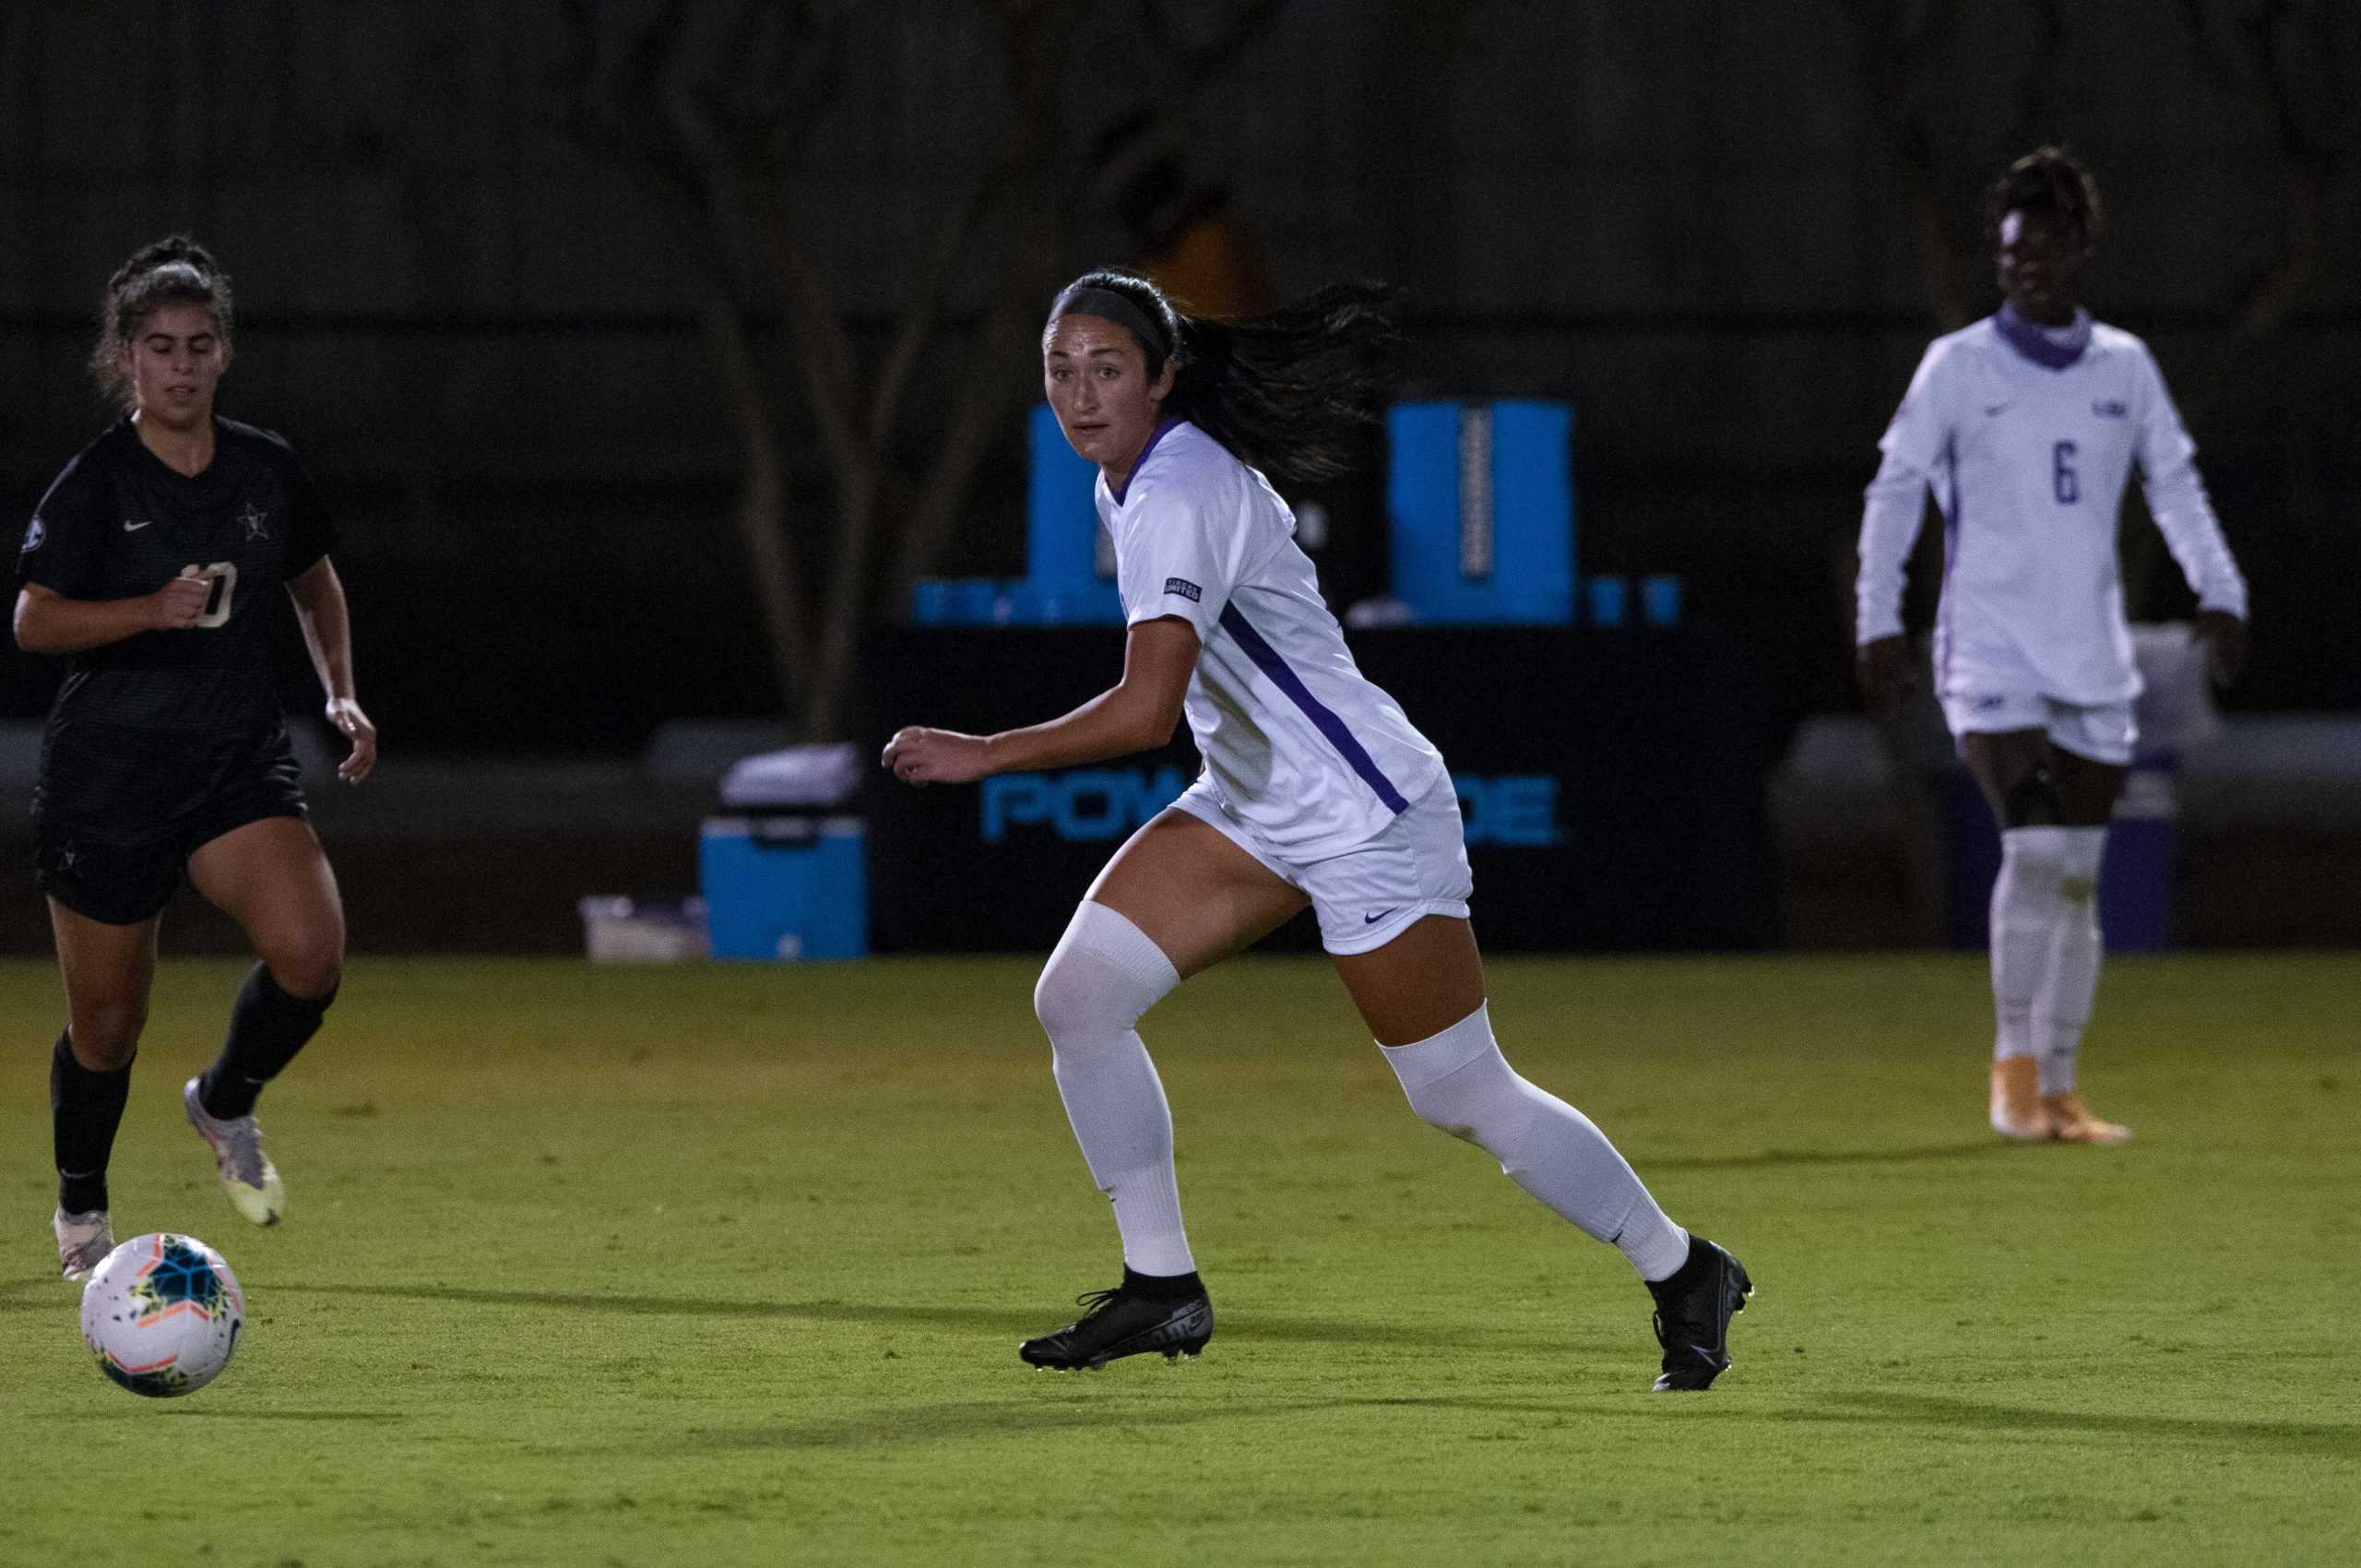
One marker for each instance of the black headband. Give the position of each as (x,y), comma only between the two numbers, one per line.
(1118,309)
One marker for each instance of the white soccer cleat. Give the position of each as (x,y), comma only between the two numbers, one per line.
(247,1174)
(83,1241)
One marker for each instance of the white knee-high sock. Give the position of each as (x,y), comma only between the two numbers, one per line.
(1104,973)
(2025,926)
(2071,979)
(1459,1081)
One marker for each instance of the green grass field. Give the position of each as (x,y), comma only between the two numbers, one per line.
(726,1265)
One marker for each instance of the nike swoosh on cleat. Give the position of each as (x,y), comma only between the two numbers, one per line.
(130,527)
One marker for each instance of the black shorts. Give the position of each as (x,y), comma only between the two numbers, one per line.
(118,812)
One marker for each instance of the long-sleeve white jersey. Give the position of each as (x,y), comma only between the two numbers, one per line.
(2027,443)
(1298,742)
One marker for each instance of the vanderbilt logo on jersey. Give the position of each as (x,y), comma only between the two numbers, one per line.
(257,524)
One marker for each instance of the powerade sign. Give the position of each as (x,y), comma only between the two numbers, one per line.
(1082,805)
(1634,819)
(1091,805)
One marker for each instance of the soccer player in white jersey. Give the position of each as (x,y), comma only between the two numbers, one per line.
(1316,790)
(2026,425)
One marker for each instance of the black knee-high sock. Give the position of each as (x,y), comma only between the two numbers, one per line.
(84,1108)
(267,1029)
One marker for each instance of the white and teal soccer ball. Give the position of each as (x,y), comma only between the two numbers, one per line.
(163,1313)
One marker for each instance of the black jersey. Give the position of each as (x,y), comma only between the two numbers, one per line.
(119,522)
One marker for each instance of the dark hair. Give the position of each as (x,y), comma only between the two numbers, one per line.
(174,270)
(1286,392)
(2048,179)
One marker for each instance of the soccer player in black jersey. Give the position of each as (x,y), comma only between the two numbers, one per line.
(153,562)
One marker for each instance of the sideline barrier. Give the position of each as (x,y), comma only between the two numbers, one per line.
(1612,783)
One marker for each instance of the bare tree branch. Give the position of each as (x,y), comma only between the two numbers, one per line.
(952,233)
(1901,55)
(708,101)
(1200,64)
(762,501)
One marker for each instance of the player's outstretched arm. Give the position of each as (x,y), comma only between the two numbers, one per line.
(48,622)
(320,606)
(1137,715)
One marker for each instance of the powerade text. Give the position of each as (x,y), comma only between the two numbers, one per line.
(1097,804)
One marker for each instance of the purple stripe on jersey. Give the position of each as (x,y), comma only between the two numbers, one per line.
(1154,436)
(1267,659)
(2028,338)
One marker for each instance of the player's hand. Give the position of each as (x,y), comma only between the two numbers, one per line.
(346,715)
(2225,637)
(1886,674)
(176,606)
(936,756)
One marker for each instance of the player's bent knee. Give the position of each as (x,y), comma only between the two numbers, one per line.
(1105,973)
(106,1034)
(1079,997)
(1481,1102)
(308,964)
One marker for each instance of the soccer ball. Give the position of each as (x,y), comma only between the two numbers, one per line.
(163,1313)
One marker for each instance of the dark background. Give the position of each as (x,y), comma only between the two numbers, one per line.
(492,264)
(1704,225)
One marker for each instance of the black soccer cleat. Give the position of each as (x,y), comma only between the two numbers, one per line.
(1693,1312)
(1127,1321)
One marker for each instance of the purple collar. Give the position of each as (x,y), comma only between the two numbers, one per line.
(1162,428)
(2053,348)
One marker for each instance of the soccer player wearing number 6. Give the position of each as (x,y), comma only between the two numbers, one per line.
(153,562)
(1317,791)
(2026,425)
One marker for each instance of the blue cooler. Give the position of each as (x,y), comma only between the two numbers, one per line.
(786,885)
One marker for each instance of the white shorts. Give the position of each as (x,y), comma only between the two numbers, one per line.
(1376,890)
(2101,731)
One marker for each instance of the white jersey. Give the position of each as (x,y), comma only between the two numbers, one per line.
(1300,746)
(2027,436)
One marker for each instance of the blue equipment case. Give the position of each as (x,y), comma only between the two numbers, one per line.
(786,885)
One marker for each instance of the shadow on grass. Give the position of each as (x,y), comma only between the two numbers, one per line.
(208,1413)
(929,1423)
(1796,1157)
(2328,1440)
(1242,1328)
(40,1293)
(1012,1418)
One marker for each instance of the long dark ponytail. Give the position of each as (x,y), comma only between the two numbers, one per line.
(1287,392)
